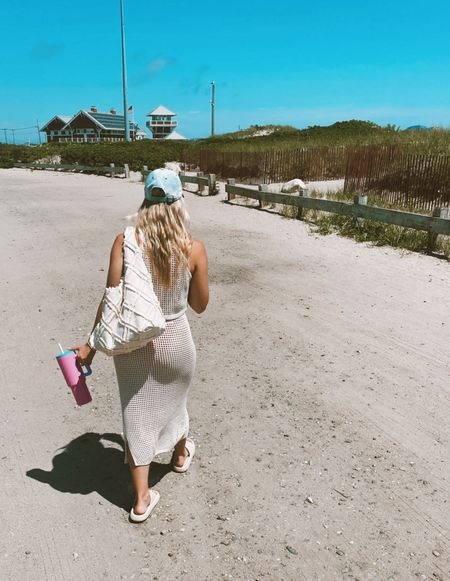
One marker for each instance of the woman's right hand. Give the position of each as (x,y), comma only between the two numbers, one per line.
(85,354)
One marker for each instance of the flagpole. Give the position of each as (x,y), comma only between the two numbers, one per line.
(124,75)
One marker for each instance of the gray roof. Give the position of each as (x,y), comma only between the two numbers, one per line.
(175,135)
(161,110)
(108,121)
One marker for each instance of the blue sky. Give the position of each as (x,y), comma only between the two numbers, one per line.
(290,62)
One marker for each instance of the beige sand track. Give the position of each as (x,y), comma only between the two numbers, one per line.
(320,407)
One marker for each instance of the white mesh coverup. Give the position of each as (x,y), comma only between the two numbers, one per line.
(154,380)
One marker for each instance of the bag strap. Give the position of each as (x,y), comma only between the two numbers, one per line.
(130,236)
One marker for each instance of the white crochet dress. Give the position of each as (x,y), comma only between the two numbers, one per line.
(154,380)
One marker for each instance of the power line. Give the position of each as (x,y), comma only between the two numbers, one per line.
(17,128)
(14,129)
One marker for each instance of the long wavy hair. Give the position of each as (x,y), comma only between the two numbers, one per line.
(165,229)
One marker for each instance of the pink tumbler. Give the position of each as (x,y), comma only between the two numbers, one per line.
(75,376)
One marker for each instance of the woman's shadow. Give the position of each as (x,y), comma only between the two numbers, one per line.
(85,466)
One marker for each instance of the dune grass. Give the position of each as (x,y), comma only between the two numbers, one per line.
(344,133)
(362,230)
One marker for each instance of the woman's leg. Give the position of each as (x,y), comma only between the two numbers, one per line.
(139,476)
(180,453)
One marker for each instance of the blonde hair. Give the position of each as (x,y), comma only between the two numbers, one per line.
(165,229)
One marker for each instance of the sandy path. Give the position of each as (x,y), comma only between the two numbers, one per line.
(322,373)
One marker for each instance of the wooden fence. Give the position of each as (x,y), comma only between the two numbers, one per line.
(313,163)
(437,224)
(112,170)
(389,174)
(414,180)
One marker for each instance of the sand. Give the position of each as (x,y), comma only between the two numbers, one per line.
(319,409)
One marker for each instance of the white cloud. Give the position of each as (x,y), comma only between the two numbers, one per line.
(157,65)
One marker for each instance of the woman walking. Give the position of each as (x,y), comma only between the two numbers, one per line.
(154,381)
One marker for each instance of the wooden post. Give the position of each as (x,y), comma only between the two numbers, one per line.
(432,236)
(127,171)
(231,182)
(445,213)
(212,184)
(300,210)
(111,165)
(201,187)
(359,200)
(262,188)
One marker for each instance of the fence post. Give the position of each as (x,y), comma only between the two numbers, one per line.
(201,187)
(181,176)
(300,210)
(212,184)
(359,200)
(231,182)
(262,188)
(432,236)
(111,165)
(144,172)
(127,171)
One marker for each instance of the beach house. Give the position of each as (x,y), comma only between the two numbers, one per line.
(90,125)
(162,124)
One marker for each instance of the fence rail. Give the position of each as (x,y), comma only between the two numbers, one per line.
(110,169)
(437,224)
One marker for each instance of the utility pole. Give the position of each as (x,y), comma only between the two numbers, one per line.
(212,107)
(14,136)
(6,137)
(39,133)
(124,75)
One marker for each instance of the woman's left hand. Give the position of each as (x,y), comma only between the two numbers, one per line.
(85,354)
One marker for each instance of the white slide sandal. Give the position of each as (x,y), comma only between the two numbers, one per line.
(154,499)
(190,447)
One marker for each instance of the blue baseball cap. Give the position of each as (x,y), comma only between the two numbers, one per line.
(168,181)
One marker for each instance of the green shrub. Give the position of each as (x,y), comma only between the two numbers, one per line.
(150,153)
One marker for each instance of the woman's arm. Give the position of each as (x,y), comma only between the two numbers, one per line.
(85,353)
(198,296)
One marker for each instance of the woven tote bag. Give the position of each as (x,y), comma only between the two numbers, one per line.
(131,315)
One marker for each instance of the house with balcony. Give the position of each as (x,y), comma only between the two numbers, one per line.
(90,125)
(162,124)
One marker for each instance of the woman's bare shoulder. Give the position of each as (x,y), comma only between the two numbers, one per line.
(198,254)
(117,244)
(198,247)
(118,240)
